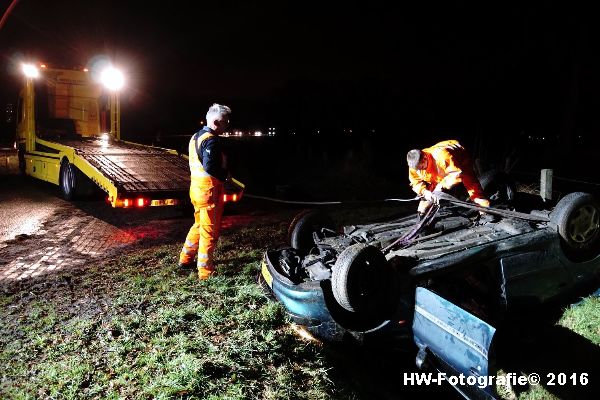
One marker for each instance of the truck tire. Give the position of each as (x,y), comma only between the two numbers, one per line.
(577,220)
(361,279)
(68,180)
(300,231)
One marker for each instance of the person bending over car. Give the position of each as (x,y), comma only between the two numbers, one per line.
(442,166)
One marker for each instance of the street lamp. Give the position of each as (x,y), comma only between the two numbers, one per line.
(31,71)
(114,80)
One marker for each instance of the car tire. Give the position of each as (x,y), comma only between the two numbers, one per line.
(300,231)
(577,220)
(68,180)
(360,279)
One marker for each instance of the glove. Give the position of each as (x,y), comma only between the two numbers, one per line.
(430,197)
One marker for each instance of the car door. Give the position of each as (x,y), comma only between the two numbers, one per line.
(455,342)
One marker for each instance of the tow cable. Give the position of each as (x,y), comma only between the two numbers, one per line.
(324,203)
(441,196)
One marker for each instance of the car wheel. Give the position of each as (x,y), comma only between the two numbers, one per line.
(68,180)
(300,231)
(360,278)
(577,220)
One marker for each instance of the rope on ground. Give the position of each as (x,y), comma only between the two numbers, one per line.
(321,203)
(413,199)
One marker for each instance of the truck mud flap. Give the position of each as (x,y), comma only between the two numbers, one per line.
(455,342)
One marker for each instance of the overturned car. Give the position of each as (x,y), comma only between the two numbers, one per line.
(448,279)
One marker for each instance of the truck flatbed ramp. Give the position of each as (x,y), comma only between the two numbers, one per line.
(134,168)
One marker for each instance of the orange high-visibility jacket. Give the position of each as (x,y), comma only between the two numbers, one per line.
(199,176)
(444,167)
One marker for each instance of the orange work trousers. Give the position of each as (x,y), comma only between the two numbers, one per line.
(202,238)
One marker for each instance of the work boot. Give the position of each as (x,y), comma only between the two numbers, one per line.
(205,273)
(187,266)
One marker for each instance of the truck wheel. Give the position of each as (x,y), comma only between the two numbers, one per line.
(577,220)
(68,180)
(360,279)
(300,231)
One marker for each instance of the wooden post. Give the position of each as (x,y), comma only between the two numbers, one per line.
(546,184)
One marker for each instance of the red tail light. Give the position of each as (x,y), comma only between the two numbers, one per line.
(141,202)
(127,203)
(231,197)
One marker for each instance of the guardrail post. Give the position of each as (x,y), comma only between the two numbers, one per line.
(546,184)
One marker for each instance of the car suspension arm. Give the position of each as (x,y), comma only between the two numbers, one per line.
(491,210)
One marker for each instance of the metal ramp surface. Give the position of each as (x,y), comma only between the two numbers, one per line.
(134,168)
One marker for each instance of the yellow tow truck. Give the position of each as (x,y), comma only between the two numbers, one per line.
(68,134)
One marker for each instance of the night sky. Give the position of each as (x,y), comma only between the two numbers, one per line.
(447,67)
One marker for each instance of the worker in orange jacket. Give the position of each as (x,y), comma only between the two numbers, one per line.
(208,173)
(442,166)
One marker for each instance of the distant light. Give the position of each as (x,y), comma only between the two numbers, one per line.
(258,133)
(43,66)
(30,71)
(85,70)
(112,78)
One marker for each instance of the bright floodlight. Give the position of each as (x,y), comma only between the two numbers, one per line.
(30,71)
(112,78)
